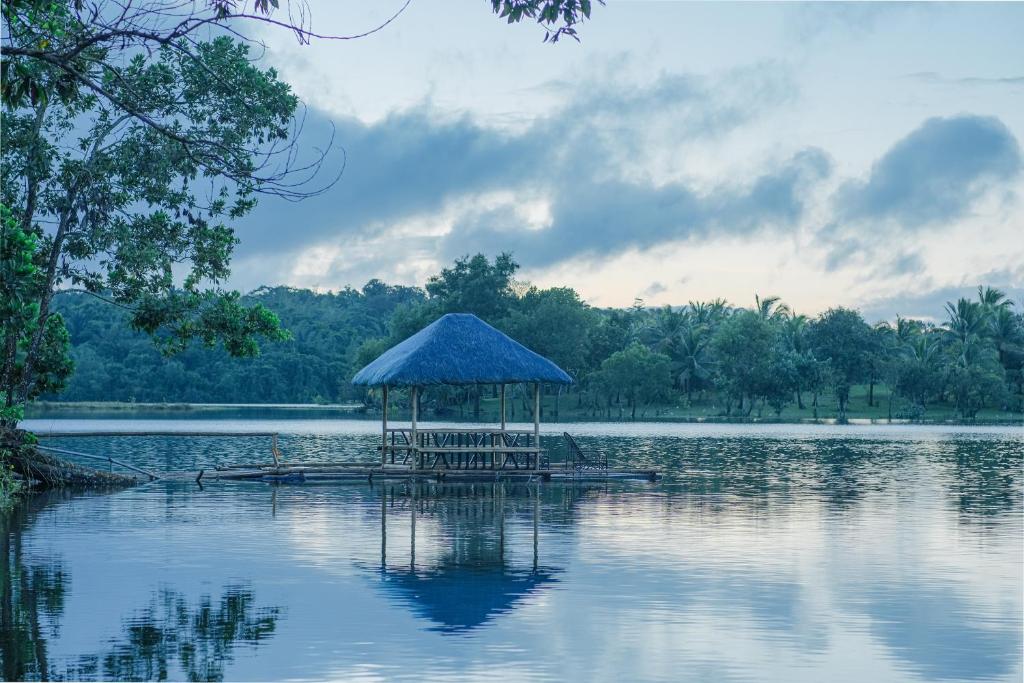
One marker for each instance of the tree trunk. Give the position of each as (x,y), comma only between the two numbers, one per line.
(56,250)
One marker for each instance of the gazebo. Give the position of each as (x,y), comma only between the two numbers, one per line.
(460,349)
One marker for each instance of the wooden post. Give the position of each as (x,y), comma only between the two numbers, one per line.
(384,428)
(536,518)
(412,529)
(536,423)
(502,402)
(504,456)
(412,435)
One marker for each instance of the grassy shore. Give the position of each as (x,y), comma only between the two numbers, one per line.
(568,408)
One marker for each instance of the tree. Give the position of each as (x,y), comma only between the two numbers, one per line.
(913,370)
(642,375)
(974,373)
(978,382)
(126,212)
(49,367)
(744,346)
(559,18)
(555,323)
(841,337)
(695,355)
(770,308)
(138,131)
(81,42)
(475,285)
(967,325)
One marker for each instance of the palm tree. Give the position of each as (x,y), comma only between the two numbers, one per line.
(794,332)
(967,324)
(708,312)
(694,343)
(1006,332)
(770,308)
(907,330)
(992,299)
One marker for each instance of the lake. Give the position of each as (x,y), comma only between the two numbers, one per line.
(767,552)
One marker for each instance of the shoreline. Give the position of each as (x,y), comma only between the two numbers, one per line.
(361,413)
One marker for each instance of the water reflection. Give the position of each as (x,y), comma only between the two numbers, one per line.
(172,638)
(471,576)
(937,635)
(33,594)
(759,557)
(169,638)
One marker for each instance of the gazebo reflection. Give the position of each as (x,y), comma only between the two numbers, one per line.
(473,573)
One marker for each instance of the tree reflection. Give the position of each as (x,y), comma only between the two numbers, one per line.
(32,595)
(170,638)
(985,479)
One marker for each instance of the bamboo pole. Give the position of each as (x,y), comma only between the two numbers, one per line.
(536,423)
(384,427)
(64,451)
(415,411)
(502,408)
(536,518)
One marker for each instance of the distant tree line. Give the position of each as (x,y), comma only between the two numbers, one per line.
(743,361)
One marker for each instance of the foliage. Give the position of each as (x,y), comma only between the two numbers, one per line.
(745,347)
(58,49)
(841,337)
(137,213)
(474,285)
(718,359)
(644,376)
(46,367)
(559,18)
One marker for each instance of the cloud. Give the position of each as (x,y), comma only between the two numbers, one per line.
(900,264)
(603,219)
(936,78)
(654,289)
(929,304)
(933,175)
(587,160)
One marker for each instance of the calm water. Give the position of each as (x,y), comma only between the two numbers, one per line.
(790,553)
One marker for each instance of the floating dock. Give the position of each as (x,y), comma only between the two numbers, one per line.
(477,455)
(313,473)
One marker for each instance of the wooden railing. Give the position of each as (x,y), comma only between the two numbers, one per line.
(447,448)
(580,460)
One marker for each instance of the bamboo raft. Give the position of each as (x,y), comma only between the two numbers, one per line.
(340,472)
(502,465)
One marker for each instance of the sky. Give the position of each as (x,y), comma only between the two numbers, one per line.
(864,155)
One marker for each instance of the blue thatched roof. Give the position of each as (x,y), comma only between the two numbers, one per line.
(459,348)
(458,599)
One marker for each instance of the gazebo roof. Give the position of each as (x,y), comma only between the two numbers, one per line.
(459,348)
(458,599)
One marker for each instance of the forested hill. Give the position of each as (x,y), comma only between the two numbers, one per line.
(722,359)
(114,363)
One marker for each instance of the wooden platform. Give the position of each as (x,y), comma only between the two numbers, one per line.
(297,474)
